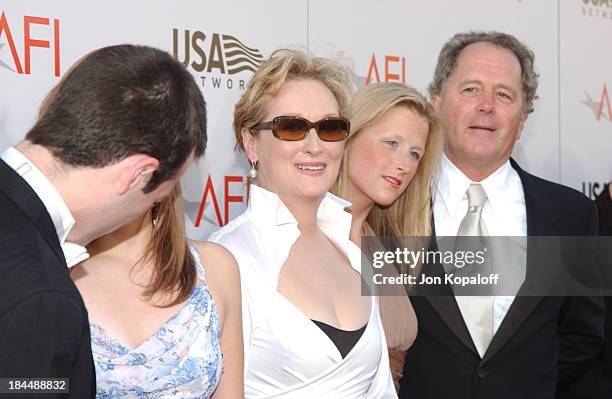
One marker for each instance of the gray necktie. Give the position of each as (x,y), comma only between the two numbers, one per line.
(477,311)
(472,224)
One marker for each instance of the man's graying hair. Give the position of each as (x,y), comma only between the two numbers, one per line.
(447,60)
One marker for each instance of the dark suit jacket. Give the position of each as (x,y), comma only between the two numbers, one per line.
(542,341)
(604,204)
(44,330)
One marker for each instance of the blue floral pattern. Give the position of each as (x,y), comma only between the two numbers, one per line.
(182,359)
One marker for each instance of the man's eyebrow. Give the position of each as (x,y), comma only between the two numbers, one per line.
(476,81)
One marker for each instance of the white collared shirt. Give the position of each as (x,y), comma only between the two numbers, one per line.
(56,207)
(504,213)
(285,353)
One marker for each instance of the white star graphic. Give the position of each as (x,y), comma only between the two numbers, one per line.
(2,64)
(594,106)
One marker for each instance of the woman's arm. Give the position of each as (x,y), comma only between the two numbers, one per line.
(224,282)
(382,383)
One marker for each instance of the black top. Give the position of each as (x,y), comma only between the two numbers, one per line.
(344,340)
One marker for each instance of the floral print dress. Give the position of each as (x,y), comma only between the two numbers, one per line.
(182,359)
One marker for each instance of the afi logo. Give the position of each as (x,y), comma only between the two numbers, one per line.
(209,190)
(601,108)
(604,98)
(394,69)
(29,42)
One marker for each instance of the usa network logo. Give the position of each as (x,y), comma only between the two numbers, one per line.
(600,105)
(592,188)
(19,60)
(219,57)
(600,9)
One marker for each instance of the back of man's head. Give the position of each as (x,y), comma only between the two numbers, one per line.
(120,101)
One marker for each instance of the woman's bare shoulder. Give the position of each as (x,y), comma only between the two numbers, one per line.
(221,271)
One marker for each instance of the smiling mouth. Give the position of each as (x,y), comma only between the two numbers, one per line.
(312,169)
(486,128)
(395,182)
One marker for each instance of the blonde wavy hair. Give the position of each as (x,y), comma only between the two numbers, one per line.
(282,66)
(410,214)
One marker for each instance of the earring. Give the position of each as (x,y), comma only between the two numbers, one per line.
(155,213)
(253,171)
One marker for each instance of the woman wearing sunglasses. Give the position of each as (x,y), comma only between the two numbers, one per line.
(390,157)
(308,331)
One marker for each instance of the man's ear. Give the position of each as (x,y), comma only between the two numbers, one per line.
(524,115)
(248,141)
(135,171)
(435,102)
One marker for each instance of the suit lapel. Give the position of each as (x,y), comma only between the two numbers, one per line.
(18,191)
(538,224)
(447,309)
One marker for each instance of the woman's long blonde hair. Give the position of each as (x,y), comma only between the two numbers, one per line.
(410,214)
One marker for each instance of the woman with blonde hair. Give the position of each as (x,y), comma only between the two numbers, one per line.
(390,158)
(165,314)
(308,331)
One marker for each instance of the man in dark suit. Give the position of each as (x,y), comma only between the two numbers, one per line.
(604,205)
(112,138)
(511,346)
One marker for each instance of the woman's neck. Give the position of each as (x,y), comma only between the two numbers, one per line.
(128,243)
(360,209)
(304,210)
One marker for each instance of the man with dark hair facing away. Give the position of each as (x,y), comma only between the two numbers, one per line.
(112,138)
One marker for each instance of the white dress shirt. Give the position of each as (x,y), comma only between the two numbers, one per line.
(504,213)
(286,354)
(56,207)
